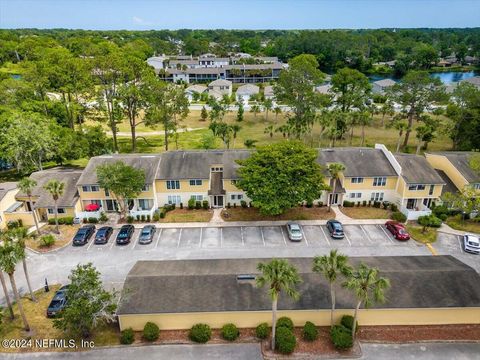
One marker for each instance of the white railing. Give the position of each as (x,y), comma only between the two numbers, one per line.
(134,213)
(415,214)
(88,214)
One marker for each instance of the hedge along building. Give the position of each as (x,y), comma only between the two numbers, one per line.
(177,294)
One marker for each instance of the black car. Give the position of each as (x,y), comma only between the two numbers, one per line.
(146,236)
(58,302)
(336,229)
(125,234)
(83,235)
(103,234)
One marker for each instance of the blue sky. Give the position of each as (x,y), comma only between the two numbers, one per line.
(239,14)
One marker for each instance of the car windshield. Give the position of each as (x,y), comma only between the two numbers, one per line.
(337,226)
(295,230)
(402,231)
(123,234)
(473,243)
(146,232)
(55,303)
(101,232)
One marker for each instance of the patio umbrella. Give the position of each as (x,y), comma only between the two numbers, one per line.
(92,207)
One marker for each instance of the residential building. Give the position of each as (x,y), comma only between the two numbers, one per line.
(8,190)
(43,203)
(194,90)
(424,290)
(473,80)
(245,92)
(324,89)
(268,92)
(221,86)
(91,193)
(380,86)
(456,166)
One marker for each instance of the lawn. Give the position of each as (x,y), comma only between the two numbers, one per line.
(42,327)
(417,234)
(464,225)
(364,212)
(300,213)
(185,215)
(66,234)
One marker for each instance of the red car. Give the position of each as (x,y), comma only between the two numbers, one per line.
(397,230)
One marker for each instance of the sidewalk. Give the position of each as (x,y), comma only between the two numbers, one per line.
(444,228)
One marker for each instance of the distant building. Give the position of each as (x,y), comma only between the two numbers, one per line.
(473,80)
(194,89)
(268,92)
(245,92)
(380,86)
(221,86)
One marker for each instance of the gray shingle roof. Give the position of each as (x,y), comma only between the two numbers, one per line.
(385,82)
(68,176)
(211,285)
(220,82)
(149,163)
(196,164)
(449,185)
(361,162)
(417,170)
(248,89)
(6,187)
(461,161)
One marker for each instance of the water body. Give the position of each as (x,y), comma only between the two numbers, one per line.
(445,77)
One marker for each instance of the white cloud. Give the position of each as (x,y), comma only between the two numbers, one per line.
(140,21)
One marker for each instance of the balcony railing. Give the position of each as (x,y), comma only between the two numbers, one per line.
(413,214)
(88,214)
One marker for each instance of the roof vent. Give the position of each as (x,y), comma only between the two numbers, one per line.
(246,279)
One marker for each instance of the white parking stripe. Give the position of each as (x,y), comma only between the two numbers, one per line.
(283,235)
(201,236)
(460,242)
(92,240)
(346,237)
(135,242)
(389,238)
(263,238)
(112,238)
(367,236)
(221,237)
(179,236)
(241,233)
(158,239)
(304,236)
(325,235)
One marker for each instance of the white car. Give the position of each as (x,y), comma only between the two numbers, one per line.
(294,232)
(471,243)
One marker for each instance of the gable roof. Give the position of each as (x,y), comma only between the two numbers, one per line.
(268,91)
(6,187)
(148,163)
(461,161)
(196,164)
(385,82)
(248,89)
(68,176)
(220,82)
(473,80)
(196,88)
(323,89)
(182,286)
(358,162)
(417,170)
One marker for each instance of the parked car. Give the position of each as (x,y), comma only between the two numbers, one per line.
(336,229)
(103,234)
(58,302)
(146,236)
(125,234)
(398,230)
(83,235)
(471,244)
(294,232)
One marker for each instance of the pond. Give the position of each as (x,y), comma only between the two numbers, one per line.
(445,77)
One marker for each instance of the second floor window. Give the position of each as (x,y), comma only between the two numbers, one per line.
(357,180)
(196,182)
(379,181)
(476,186)
(89,188)
(146,187)
(173,184)
(416,187)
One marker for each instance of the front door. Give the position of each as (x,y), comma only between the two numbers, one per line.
(111,205)
(218,200)
(411,204)
(334,199)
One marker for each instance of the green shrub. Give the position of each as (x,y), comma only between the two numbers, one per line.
(429,221)
(262,331)
(399,216)
(394,207)
(148,218)
(364,203)
(347,321)
(229,205)
(230,332)
(320,204)
(138,217)
(341,337)
(156,216)
(127,336)
(376,204)
(310,331)
(205,204)
(68,220)
(181,205)
(243,203)
(142,218)
(103,217)
(200,333)
(191,204)
(285,340)
(47,240)
(13,224)
(198,205)
(130,219)
(162,214)
(347,203)
(285,322)
(309,203)
(151,331)
(92,220)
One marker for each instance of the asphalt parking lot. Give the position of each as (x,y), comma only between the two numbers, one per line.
(315,236)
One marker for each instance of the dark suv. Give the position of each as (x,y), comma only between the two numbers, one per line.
(335,229)
(58,302)
(83,235)
(125,234)
(103,234)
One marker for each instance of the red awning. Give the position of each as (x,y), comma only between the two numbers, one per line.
(92,207)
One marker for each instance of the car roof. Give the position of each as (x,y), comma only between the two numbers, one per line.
(472,237)
(334,221)
(126,226)
(294,226)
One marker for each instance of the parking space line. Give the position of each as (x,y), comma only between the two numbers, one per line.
(221,237)
(158,239)
(201,236)
(241,233)
(113,241)
(346,237)
(368,237)
(179,236)
(90,245)
(304,236)
(325,235)
(263,238)
(388,236)
(135,242)
(460,240)
(283,235)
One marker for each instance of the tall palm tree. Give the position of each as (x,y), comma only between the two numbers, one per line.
(334,169)
(277,110)
(331,267)
(10,254)
(55,188)
(368,288)
(26,185)
(278,275)
(19,235)
(269,130)
(235,129)
(7,297)
(267,106)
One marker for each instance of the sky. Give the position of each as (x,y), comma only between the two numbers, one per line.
(239,14)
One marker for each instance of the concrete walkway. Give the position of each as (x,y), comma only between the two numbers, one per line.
(340,216)
(217,216)
(444,228)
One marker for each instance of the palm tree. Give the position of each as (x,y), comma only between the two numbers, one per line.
(7,297)
(255,109)
(269,130)
(26,185)
(278,275)
(368,288)
(55,188)
(19,235)
(235,129)
(10,254)
(331,267)
(334,169)
(267,106)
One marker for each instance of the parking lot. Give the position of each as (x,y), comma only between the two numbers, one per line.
(315,236)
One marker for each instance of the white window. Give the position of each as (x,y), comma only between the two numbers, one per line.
(357,180)
(146,187)
(197,197)
(377,196)
(174,199)
(217,169)
(52,211)
(173,184)
(476,186)
(236,197)
(379,181)
(145,204)
(95,188)
(86,188)
(196,182)
(416,187)
(355,195)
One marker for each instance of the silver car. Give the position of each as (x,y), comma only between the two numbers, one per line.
(146,236)
(294,232)
(471,244)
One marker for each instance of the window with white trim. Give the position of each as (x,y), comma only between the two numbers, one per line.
(197,197)
(416,187)
(236,197)
(173,184)
(174,199)
(196,182)
(476,186)
(145,204)
(377,196)
(95,188)
(217,169)
(357,180)
(355,195)
(52,211)
(379,181)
